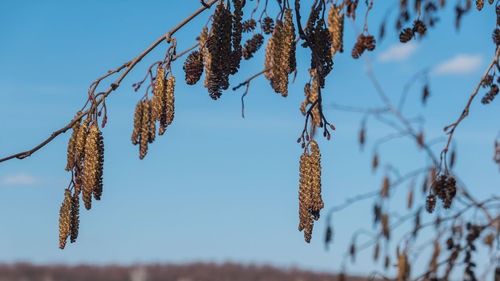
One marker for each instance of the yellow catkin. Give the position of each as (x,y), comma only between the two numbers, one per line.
(410,199)
(144,133)
(313,97)
(335,22)
(152,124)
(170,100)
(207,58)
(71,147)
(275,72)
(317,201)
(288,43)
(159,92)
(386,231)
(310,202)
(137,122)
(79,154)
(305,103)
(90,165)
(65,219)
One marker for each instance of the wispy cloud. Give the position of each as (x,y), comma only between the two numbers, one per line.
(460,64)
(398,52)
(19,179)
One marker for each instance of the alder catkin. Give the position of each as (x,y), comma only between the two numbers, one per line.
(75,217)
(100,164)
(137,122)
(90,165)
(170,108)
(479,4)
(144,132)
(71,146)
(335,22)
(65,219)
(274,72)
(158,92)
(310,201)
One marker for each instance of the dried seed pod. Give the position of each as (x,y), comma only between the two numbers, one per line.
(193,67)
(376,251)
(268,25)
(386,231)
(352,251)
(144,133)
(387,262)
(75,217)
(90,165)
(336,28)
(410,199)
(328,235)
(453,156)
(496,36)
(71,146)
(451,191)
(65,219)
(361,138)
(252,46)
(419,27)
(425,94)
(249,25)
(374,162)
(479,4)
(420,139)
(369,42)
(430,204)
(359,47)
(137,122)
(490,96)
(384,191)
(406,35)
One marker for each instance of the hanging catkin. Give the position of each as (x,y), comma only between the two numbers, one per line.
(65,219)
(90,165)
(336,28)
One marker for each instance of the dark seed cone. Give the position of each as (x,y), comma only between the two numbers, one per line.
(65,219)
(252,46)
(490,96)
(451,191)
(430,204)
(359,47)
(193,67)
(496,36)
(144,132)
(268,25)
(90,165)
(75,217)
(406,35)
(71,147)
(369,42)
(249,25)
(137,122)
(235,57)
(218,44)
(419,27)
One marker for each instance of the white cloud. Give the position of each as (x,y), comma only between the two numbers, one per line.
(19,179)
(398,52)
(460,64)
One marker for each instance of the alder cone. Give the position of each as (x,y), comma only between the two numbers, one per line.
(193,67)
(406,35)
(268,25)
(252,46)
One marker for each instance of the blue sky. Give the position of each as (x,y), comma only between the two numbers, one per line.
(215,186)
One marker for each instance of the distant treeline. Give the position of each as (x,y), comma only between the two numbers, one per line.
(158,272)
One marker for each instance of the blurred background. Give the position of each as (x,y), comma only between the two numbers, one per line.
(217,188)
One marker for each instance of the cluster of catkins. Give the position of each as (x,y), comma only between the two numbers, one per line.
(85,159)
(159,108)
(408,33)
(220,49)
(280,54)
(310,202)
(445,188)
